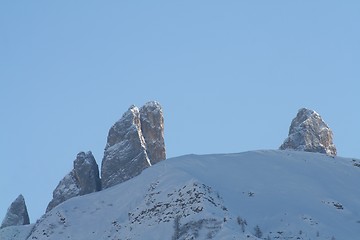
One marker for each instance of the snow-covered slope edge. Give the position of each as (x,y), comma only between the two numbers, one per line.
(282,194)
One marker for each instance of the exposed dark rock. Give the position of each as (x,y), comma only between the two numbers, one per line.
(16,214)
(87,173)
(152,127)
(83,179)
(125,152)
(308,132)
(134,143)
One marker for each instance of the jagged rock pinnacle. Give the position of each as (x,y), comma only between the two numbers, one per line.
(152,127)
(308,132)
(134,143)
(16,214)
(83,179)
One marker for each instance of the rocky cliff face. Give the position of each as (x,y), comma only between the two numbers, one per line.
(87,173)
(83,179)
(308,132)
(152,127)
(134,143)
(16,214)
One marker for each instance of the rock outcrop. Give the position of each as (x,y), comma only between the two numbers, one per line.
(87,173)
(134,143)
(152,127)
(83,179)
(16,214)
(308,132)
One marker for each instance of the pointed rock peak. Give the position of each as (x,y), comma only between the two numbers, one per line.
(84,158)
(133,110)
(153,105)
(152,127)
(87,173)
(83,179)
(308,132)
(134,143)
(132,106)
(305,113)
(130,119)
(16,214)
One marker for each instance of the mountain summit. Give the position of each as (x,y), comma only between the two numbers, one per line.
(83,179)
(308,132)
(17,213)
(134,143)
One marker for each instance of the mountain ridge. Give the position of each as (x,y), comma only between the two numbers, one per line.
(287,194)
(192,196)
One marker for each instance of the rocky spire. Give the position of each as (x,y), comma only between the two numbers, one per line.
(16,214)
(87,173)
(152,127)
(134,143)
(308,132)
(83,179)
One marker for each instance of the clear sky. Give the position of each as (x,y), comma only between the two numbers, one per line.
(230,76)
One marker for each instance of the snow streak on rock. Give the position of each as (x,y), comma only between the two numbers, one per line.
(134,143)
(152,127)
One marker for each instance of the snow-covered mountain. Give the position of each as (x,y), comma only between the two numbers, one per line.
(269,194)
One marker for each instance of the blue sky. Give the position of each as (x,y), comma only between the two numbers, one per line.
(230,76)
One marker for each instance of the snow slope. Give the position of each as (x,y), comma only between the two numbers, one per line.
(287,194)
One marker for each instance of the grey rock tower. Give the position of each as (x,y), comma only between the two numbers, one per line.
(152,127)
(83,179)
(308,132)
(16,214)
(134,143)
